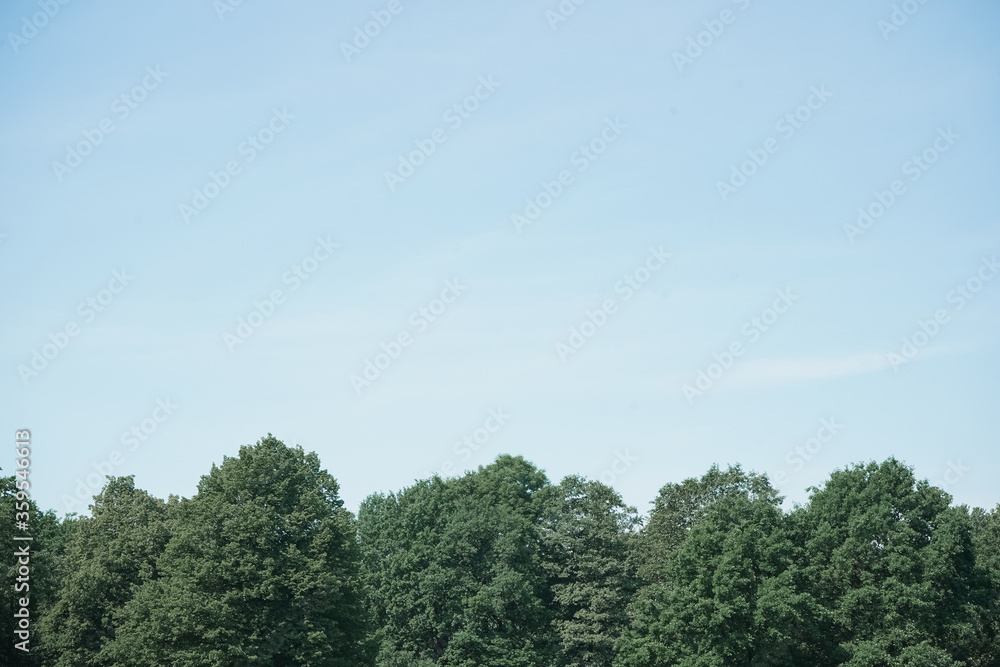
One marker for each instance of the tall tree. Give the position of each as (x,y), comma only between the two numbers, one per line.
(40,584)
(262,569)
(407,587)
(454,570)
(680,506)
(986,541)
(893,567)
(109,555)
(729,595)
(586,532)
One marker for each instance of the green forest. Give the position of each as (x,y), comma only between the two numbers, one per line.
(503,567)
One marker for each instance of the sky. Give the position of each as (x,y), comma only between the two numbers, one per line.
(623,240)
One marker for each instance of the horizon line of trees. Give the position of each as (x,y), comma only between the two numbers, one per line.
(502,567)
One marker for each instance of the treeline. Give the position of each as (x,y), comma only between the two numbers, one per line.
(504,568)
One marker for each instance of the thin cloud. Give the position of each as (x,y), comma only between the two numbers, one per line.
(755,373)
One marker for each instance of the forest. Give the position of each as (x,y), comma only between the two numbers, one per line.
(503,567)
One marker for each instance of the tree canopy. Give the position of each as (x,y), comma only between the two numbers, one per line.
(502,567)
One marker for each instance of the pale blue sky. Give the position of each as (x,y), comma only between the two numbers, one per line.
(494,347)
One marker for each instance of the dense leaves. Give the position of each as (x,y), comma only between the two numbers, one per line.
(986,543)
(503,568)
(726,592)
(40,585)
(679,507)
(261,569)
(454,573)
(586,534)
(107,558)
(894,569)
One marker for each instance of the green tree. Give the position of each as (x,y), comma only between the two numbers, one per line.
(454,571)
(893,568)
(262,569)
(586,531)
(730,593)
(986,541)
(109,555)
(8,594)
(45,549)
(679,507)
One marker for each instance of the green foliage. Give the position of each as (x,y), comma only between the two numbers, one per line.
(986,542)
(893,568)
(586,533)
(501,568)
(46,548)
(729,593)
(679,507)
(8,596)
(108,556)
(454,573)
(262,569)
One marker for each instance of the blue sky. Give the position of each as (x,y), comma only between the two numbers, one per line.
(329,128)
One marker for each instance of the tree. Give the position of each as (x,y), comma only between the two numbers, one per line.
(585,535)
(39,586)
(406,586)
(8,595)
(729,595)
(109,555)
(262,569)
(500,568)
(893,568)
(986,541)
(677,510)
(454,572)
(679,507)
